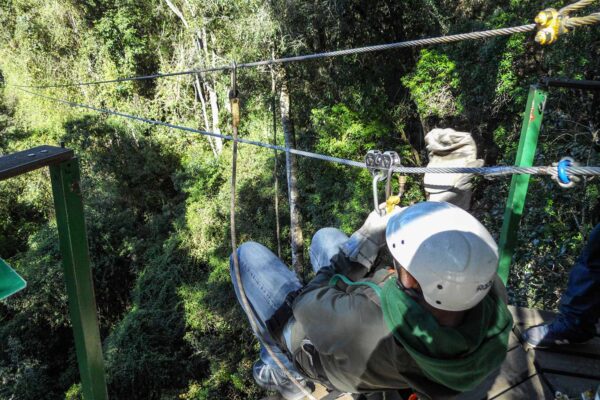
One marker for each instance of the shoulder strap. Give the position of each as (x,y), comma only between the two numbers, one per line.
(337,277)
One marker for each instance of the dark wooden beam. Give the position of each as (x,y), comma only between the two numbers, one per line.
(29,160)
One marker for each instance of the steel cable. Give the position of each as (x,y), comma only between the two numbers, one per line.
(127,79)
(205,133)
(359,50)
(575,6)
(491,171)
(575,22)
(486,171)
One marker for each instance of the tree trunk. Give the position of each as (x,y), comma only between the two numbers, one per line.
(291,169)
(415,152)
(275,177)
(200,96)
(214,111)
(202,87)
(212,91)
(177,12)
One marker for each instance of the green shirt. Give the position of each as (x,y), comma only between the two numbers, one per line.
(356,347)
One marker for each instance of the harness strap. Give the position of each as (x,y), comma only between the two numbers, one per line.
(337,277)
(279,319)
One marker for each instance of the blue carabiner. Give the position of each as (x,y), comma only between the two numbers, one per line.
(563,176)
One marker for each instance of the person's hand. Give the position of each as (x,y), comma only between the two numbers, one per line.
(374,227)
(364,244)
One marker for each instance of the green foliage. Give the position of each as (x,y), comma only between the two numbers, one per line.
(74,393)
(126,31)
(434,85)
(157,200)
(343,133)
(145,354)
(508,79)
(34,361)
(19,218)
(335,195)
(215,327)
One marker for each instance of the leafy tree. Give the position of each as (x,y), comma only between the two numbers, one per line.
(157,200)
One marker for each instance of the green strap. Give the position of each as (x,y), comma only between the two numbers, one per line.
(334,280)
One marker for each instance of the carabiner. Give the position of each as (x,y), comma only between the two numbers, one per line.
(381,166)
(376,179)
(373,161)
(391,159)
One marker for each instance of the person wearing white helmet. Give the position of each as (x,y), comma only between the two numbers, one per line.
(446,251)
(436,322)
(410,301)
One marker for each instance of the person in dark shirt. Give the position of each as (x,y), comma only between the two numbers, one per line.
(579,305)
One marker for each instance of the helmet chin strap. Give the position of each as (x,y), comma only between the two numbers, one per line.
(414,293)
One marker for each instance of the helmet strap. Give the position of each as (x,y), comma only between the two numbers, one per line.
(415,294)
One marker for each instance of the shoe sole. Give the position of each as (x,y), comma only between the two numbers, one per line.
(549,346)
(275,388)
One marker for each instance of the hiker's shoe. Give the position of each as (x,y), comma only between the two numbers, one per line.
(273,378)
(555,333)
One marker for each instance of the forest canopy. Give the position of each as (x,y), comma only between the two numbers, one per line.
(156,200)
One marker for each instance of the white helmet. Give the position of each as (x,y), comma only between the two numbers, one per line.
(449,252)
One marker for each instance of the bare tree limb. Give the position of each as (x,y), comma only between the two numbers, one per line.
(201,86)
(291,169)
(178,12)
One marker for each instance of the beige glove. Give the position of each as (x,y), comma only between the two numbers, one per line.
(449,148)
(364,244)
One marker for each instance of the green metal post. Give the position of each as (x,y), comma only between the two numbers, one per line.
(532,121)
(78,276)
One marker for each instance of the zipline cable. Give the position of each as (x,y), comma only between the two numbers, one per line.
(409,43)
(205,133)
(576,6)
(367,49)
(118,80)
(575,22)
(486,171)
(571,22)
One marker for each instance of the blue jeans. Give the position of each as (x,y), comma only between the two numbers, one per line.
(267,281)
(580,304)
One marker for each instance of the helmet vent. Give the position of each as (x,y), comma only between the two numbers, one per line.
(438,302)
(440,287)
(394,245)
(402,241)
